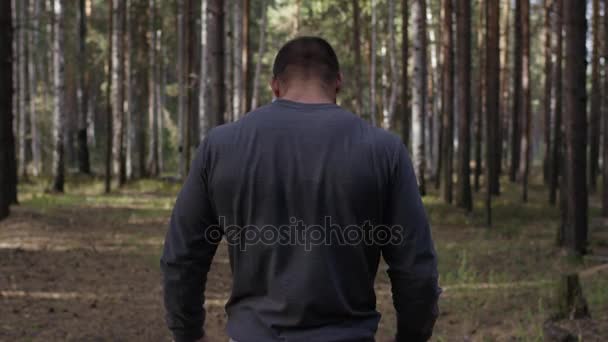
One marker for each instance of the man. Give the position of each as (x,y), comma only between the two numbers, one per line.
(308,196)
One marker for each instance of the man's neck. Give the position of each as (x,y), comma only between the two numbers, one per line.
(308,95)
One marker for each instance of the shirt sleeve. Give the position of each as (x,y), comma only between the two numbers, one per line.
(190,244)
(411,258)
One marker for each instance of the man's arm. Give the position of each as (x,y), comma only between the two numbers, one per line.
(188,253)
(412,262)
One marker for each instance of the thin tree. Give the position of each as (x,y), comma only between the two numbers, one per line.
(246,59)
(526,112)
(492,96)
(372,67)
(517,94)
(181,85)
(7,140)
(130,121)
(24,94)
(405,86)
(463,70)
(481,77)
(118,90)
(215,45)
(109,130)
(505,93)
(83,149)
(153,105)
(548,70)
(237,55)
(261,48)
(357,51)
(33,90)
(595,99)
(392,52)
(575,100)
(605,122)
(59,94)
(556,152)
(419,92)
(448,100)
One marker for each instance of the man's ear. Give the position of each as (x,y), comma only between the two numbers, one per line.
(339,83)
(275,86)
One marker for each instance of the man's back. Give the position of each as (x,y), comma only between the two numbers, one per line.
(308,196)
(304,196)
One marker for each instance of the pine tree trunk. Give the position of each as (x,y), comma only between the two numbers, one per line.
(118,91)
(448,100)
(517,94)
(595,98)
(33,83)
(153,111)
(237,55)
(548,4)
(181,86)
(109,77)
(526,112)
(463,68)
(372,69)
(24,94)
(392,50)
(505,92)
(83,149)
(228,60)
(204,121)
(576,126)
(492,96)
(215,41)
(419,92)
(7,142)
(59,94)
(159,87)
(557,148)
(261,48)
(131,121)
(481,77)
(357,52)
(246,59)
(605,121)
(405,86)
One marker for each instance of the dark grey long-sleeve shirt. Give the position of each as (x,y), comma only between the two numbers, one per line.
(308,196)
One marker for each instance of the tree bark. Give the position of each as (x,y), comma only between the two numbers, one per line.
(118,90)
(503,124)
(492,96)
(595,98)
(357,52)
(405,86)
(576,126)
(517,94)
(59,93)
(419,92)
(372,68)
(7,140)
(33,83)
(109,130)
(481,77)
(261,49)
(548,4)
(463,68)
(24,94)
(392,50)
(448,100)
(237,55)
(605,121)
(153,111)
(83,149)
(557,149)
(526,112)
(181,86)
(246,59)
(215,41)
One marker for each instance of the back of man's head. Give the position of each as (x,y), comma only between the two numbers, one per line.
(306,58)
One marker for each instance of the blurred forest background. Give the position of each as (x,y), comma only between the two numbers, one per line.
(503,105)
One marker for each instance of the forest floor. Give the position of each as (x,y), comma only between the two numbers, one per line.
(85,266)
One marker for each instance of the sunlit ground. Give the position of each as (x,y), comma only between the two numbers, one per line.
(84,266)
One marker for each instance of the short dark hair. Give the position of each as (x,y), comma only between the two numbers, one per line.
(309,56)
